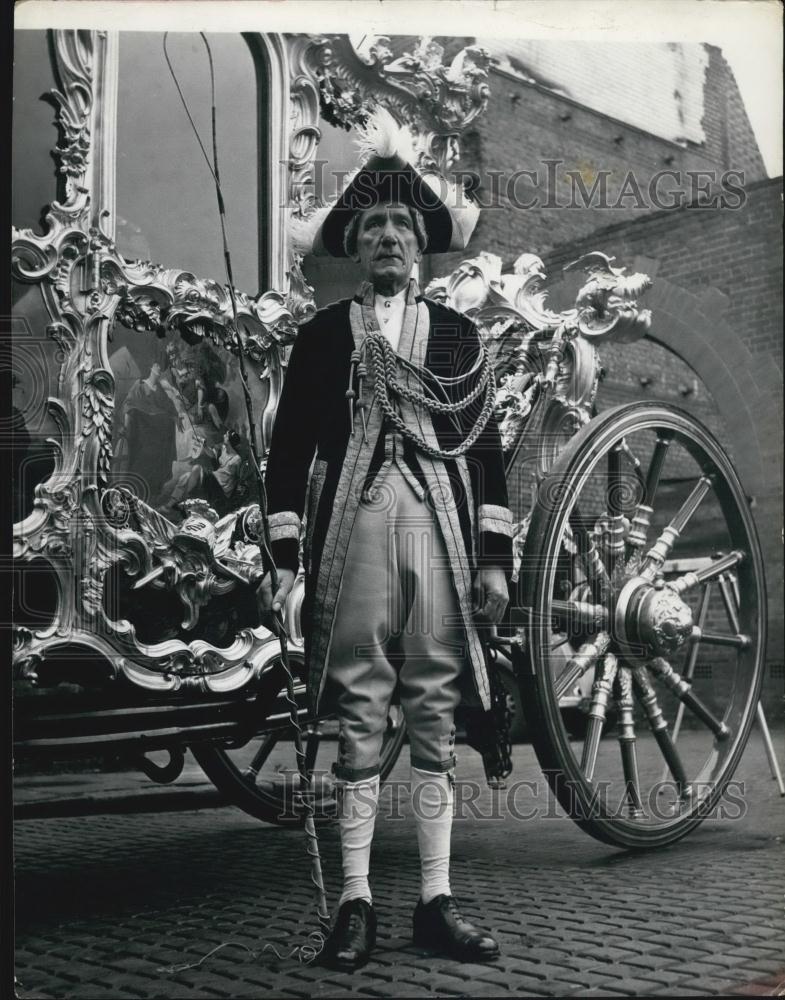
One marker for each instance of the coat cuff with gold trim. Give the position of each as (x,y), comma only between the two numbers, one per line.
(285,539)
(494,529)
(496,519)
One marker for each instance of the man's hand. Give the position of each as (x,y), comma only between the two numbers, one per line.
(490,594)
(265,594)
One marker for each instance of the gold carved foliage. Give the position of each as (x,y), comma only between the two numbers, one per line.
(76,523)
(87,285)
(537,350)
(155,298)
(436,99)
(74,54)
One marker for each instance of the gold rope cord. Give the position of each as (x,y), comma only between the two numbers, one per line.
(383,362)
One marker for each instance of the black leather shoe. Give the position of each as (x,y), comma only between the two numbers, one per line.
(438,925)
(350,942)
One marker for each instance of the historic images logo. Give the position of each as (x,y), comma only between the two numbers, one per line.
(550,184)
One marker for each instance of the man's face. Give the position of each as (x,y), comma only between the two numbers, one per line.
(387,246)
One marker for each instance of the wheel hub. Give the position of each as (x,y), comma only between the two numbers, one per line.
(651,619)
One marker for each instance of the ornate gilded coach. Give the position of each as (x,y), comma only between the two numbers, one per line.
(151,643)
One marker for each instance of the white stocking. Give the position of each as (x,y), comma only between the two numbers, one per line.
(432,803)
(358,802)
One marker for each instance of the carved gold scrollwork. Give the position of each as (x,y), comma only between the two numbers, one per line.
(305,133)
(80,524)
(607,305)
(537,350)
(151,297)
(349,76)
(299,297)
(74,55)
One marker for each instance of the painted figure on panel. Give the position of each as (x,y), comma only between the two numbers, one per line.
(149,429)
(178,429)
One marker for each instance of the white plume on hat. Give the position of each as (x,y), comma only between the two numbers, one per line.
(382,136)
(463,210)
(302,231)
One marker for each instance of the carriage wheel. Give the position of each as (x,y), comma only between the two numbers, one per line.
(261,776)
(642,560)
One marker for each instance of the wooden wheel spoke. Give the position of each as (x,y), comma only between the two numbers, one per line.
(660,551)
(614,484)
(604,675)
(614,498)
(583,660)
(638,526)
(591,560)
(729,600)
(692,659)
(734,582)
(739,641)
(569,545)
(260,757)
(655,467)
(635,463)
(637,536)
(647,696)
(643,513)
(718,568)
(683,691)
(627,739)
(312,744)
(574,615)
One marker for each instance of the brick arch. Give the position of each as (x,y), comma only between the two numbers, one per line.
(744,388)
(747,392)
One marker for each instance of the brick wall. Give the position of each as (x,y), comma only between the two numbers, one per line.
(730,140)
(527,124)
(657,86)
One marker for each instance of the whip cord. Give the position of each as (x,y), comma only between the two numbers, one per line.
(305,795)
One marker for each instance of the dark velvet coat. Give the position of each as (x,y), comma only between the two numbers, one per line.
(312,446)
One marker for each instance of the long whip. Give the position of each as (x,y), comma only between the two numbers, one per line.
(306,793)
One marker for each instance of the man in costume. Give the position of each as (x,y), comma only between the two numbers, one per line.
(388,402)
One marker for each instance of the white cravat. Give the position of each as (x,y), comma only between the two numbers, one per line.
(389,311)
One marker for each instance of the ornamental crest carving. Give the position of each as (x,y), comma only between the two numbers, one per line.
(435,95)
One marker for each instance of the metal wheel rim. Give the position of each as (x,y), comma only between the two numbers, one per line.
(579,462)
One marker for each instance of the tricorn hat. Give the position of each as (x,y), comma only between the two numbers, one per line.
(386,175)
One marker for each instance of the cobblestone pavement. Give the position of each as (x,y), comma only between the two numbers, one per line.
(107,903)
